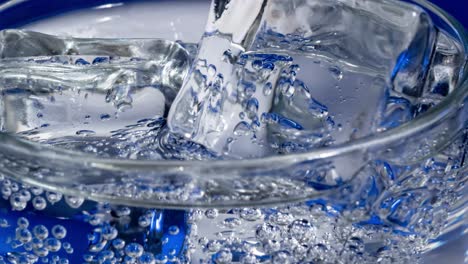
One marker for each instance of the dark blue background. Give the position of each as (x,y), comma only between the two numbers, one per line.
(457,8)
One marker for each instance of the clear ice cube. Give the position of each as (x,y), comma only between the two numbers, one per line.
(387,37)
(375,49)
(105,86)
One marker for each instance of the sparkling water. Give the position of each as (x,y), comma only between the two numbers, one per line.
(288,91)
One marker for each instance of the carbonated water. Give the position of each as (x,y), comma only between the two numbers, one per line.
(299,75)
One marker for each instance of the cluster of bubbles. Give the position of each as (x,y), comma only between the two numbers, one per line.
(37,244)
(400,210)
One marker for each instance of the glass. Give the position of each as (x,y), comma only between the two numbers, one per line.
(275,208)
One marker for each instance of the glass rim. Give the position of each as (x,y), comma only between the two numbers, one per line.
(432,117)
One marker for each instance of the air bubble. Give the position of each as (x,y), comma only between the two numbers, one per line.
(39,203)
(59,232)
(85,133)
(232,222)
(134,250)
(251,214)
(118,243)
(123,211)
(211,213)
(147,258)
(23,235)
(41,232)
(242,129)
(74,201)
(17,202)
(53,244)
(22,222)
(267,89)
(336,72)
(53,197)
(144,221)
(173,230)
(223,257)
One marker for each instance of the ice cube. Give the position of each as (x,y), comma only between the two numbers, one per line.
(387,37)
(108,85)
(384,46)
(222,111)
(297,121)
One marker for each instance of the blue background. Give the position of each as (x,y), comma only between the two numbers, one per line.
(457,8)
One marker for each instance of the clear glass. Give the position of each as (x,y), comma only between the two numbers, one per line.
(272,196)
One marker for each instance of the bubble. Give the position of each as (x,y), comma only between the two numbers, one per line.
(23,235)
(109,232)
(232,222)
(144,221)
(74,201)
(251,214)
(267,89)
(37,243)
(271,245)
(318,252)
(146,258)
(134,250)
(173,230)
(4,223)
(268,231)
(105,116)
(85,133)
(223,257)
(25,194)
(257,64)
(17,202)
(287,89)
(41,232)
(242,129)
(41,252)
(94,220)
(22,222)
(6,191)
(14,187)
(212,70)
(28,246)
(64,261)
(336,72)
(213,245)
(161,259)
(123,211)
(36,190)
(105,255)
(211,213)
(249,259)
(53,244)
(59,232)
(282,257)
(88,257)
(281,218)
(66,245)
(301,230)
(53,197)
(16,244)
(252,107)
(39,203)
(118,243)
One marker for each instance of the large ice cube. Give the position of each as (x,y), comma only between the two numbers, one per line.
(387,37)
(106,85)
(388,42)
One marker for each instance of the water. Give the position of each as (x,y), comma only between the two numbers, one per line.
(366,37)
(112,99)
